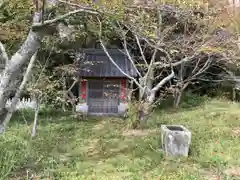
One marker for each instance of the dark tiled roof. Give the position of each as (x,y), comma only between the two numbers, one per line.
(97,64)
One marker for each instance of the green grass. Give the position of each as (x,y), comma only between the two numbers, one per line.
(66,148)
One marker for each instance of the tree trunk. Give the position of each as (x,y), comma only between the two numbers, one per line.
(150,97)
(144,111)
(34,129)
(234,94)
(177,99)
(15,100)
(178,95)
(64,95)
(18,60)
(146,106)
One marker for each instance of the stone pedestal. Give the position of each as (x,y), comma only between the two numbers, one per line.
(176,140)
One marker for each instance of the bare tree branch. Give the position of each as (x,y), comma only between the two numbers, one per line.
(129,56)
(163,65)
(3,53)
(152,95)
(37,108)
(73,84)
(123,35)
(76,5)
(196,66)
(207,80)
(111,59)
(150,70)
(162,82)
(141,51)
(204,68)
(131,60)
(59,18)
(43,10)
(149,75)
(115,64)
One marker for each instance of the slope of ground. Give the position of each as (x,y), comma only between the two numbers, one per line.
(66,148)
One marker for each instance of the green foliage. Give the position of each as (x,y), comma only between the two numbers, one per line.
(15,18)
(191,100)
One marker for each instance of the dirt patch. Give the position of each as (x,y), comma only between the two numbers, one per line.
(234,171)
(93,149)
(100,125)
(236,132)
(211,176)
(139,132)
(207,174)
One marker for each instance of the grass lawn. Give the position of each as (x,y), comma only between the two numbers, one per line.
(66,148)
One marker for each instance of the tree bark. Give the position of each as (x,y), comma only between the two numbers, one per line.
(177,99)
(15,100)
(64,95)
(178,95)
(151,97)
(13,67)
(15,64)
(3,54)
(34,129)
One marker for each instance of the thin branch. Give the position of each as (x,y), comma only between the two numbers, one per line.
(200,71)
(59,18)
(182,71)
(140,48)
(122,34)
(129,56)
(186,59)
(150,67)
(44,66)
(150,71)
(111,59)
(37,108)
(76,5)
(204,68)
(230,73)
(160,49)
(157,77)
(208,80)
(73,84)
(131,60)
(3,53)
(173,64)
(115,64)
(69,3)
(43,10)
(196,66)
